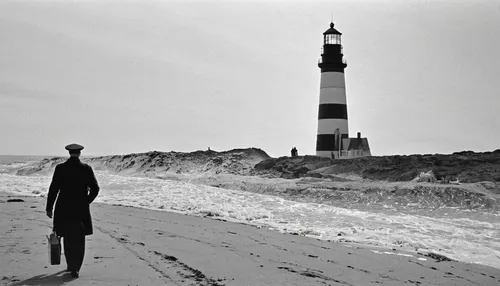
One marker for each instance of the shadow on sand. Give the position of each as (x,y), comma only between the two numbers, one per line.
(56,279)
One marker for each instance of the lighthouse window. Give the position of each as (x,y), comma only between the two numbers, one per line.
(328,39)
(332,39)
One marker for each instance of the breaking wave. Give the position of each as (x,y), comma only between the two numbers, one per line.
(402,198)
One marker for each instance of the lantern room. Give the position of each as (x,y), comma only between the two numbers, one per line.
(332,36)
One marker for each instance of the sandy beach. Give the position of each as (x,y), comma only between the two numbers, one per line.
(133,246)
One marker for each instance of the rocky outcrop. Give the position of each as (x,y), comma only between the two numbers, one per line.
(292,167)
(466,167)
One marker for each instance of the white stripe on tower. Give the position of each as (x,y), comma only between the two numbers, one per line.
(330,95)
(332,114)
(333,79)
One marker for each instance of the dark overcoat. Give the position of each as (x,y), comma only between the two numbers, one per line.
(74,186)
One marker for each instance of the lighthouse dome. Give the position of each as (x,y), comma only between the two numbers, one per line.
(332,30)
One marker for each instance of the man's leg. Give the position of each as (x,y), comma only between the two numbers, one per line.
(74,246)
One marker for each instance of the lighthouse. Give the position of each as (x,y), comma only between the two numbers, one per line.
(333,132)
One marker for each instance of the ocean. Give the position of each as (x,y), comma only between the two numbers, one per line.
(461,226)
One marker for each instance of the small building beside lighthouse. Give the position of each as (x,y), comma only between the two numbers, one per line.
(333,139)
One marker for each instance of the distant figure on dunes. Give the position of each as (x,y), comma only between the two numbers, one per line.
(75,187)
(294,152)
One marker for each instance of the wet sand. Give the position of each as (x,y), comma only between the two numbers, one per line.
(133,246)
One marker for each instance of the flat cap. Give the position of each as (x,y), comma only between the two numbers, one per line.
(74,147)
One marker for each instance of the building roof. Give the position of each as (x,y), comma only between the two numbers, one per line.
(332,31)
(356,144)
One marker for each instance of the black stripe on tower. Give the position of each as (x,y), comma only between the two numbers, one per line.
(326,142)
(332,59)
(332,67)
(332,111)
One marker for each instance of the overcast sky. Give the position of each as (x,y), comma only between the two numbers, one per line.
(134,76)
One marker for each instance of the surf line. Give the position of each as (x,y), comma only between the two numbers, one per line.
(395,253)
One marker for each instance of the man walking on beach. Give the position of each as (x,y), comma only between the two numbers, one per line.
(75,187)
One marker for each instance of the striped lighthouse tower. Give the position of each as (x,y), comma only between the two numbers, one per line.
(332,115)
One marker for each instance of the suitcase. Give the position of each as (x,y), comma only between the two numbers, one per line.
(54,243)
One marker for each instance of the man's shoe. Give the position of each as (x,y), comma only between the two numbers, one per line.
(75,274)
